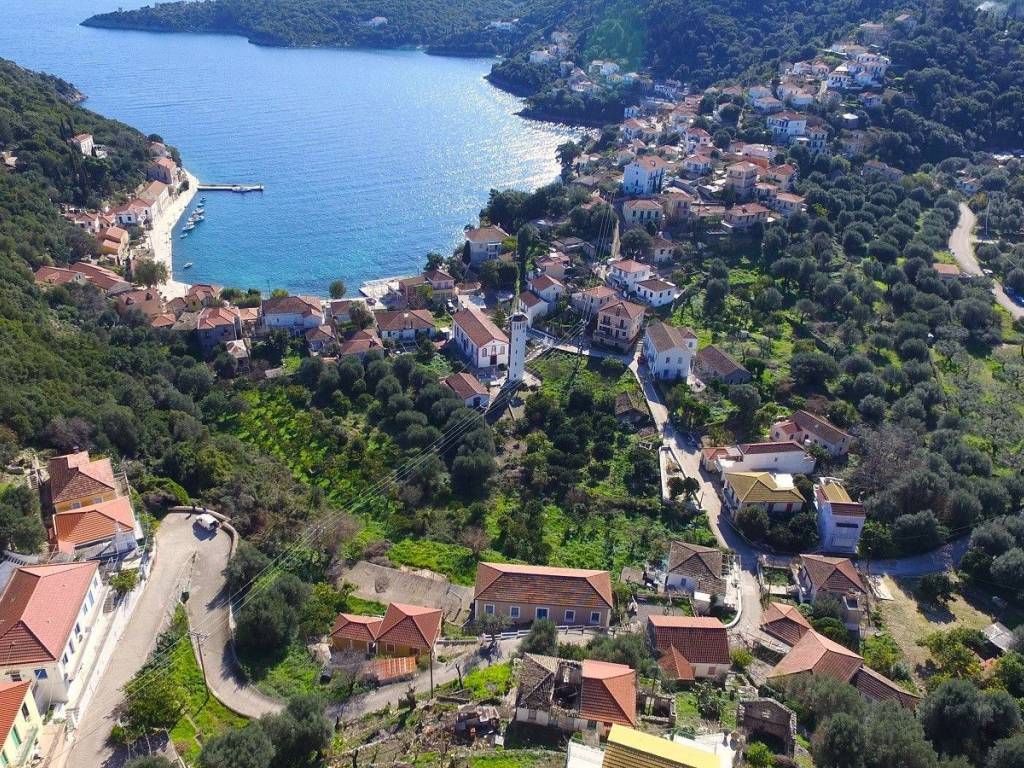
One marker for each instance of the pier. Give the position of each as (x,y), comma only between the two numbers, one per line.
(240,188)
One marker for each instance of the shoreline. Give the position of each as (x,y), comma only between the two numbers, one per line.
(161,237)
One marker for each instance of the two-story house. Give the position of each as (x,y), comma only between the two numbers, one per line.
(47,614)
(637,213)
(484,243)
(712,364)
(218,325)
(590,300)
(741,178)
(644,176)
(773,491)
(669,351)
(20,725)
(295,314)
(618,324)
(626,274)
(840,518)
(656,292)
(404,325)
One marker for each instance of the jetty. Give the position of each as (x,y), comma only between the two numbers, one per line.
(240,188)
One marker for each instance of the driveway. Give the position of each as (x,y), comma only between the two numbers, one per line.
(961,245)
(185,558)
(942,560)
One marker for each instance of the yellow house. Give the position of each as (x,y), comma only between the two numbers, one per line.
(20,723)
(77,481)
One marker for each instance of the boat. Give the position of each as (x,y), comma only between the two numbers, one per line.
(183,235)
(187,265)
(190,226)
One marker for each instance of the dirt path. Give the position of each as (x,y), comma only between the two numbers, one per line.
(961,245)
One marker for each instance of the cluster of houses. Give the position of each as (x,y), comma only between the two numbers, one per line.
(53,614)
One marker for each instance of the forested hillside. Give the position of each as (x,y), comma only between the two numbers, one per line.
(315,22)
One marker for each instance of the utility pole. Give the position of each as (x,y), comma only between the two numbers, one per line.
(199,638)
(431,673)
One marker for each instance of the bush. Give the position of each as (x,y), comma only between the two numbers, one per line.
(759,755)
(741,658)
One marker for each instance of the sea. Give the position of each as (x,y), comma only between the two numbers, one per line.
(370,159)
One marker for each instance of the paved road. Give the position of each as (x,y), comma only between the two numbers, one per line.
(961,245)
(687,455)
(943,559)
(186,558)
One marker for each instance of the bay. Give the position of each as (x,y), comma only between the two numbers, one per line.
(370,158)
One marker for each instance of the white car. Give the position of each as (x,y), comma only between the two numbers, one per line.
(209,522)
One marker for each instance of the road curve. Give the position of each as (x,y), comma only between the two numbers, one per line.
(961,245)
(173,570)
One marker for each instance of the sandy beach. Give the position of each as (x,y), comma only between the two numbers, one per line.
(161,237)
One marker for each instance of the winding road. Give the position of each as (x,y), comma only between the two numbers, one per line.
(187,557)
(961,245)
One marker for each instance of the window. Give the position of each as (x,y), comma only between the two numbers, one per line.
(24,711)
(570,617)
(41,674)
(64,658)
(513,611)
(78,630)
(15,735)
(595,617)
(15,677)
(71,646)
(3,759)
(711,671)
(489,609)
(542,613)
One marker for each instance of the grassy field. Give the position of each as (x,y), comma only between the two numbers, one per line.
(559,373)
(203,716)
(908,621)
(293,674)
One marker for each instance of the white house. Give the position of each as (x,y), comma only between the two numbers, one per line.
(627,274)
(83,142)
(840,518)
(590,300)
(469,389)
(663,249)
(405,325)
(644,176)
(531,305)
(639,212)
(47,614)
(548,288)
(656,292)
(809,429)
(669,350)
(484,243)
(295,314)
(787,457)
(786,126)
(541,56)
(479,339)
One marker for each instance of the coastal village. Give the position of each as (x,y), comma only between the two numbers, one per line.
(728,625)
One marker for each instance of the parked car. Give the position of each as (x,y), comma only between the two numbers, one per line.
(1015,296)
(208,522)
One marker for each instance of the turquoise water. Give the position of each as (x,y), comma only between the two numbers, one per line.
(370,158)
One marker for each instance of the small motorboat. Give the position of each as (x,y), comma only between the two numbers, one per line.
(190,226)
(187,265)
(183,235)
(202,199)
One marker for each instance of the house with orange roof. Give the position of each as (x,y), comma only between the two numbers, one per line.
(99,531)
(77,481)
(840,518)
(83,142)
(20,725)
(835,576)
(353,633)
(105,279)
(295,314)
(113,242)
(785,622)
(469,389)
(217,325)
(320,338)
(590,300)
(815,654)
(479,339)
(574,695)
(49,276)
(145,300)
(47,613)
(618,324)
(409,630)
(360,344)
(690,647)
(163,169)
(626,274)
(484,243)
(811,429)
(524,593)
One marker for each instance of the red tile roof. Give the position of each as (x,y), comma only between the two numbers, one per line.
(816,425)
(356,627)
(12,696)
(785,622)
(405,320)
(465,385)
(832,574)
(675,665)
(75,476)
(360,342)
(56,275)
(630,266)
(543,585)
(700,639)
(878,687)
(292,305)
(608,693)
(622,309)
(88,525)
(486,234)
(477,326)
(39,608)
(410,625)
(781,446)
(818,655)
